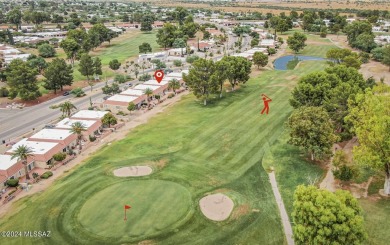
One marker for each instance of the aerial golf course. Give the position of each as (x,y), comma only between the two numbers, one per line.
(225,147)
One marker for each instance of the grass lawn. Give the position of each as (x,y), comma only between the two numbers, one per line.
(376,217)
(194,150)
(125,46)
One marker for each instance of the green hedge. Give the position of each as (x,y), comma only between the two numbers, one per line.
(13,182)
(46,175)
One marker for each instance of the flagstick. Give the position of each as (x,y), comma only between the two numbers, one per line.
(125,215)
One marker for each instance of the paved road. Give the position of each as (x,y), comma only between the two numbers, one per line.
(16,122)
(283,213)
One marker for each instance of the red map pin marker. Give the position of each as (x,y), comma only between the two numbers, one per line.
(159,75)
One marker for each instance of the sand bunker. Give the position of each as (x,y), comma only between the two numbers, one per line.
(216,207)
(133,171)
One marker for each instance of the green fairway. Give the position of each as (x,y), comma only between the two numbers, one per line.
(126,46)
(147,217)
(194,150)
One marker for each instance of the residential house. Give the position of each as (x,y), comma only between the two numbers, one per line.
(120,102)
(11,169)
(64,137)
(92,127)
(43,152)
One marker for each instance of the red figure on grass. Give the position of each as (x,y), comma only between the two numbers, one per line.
(266,100)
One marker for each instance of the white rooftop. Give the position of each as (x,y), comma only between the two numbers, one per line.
(37,147)
(155,83)
(143,87)
(89,114)
(175,74)
(52,134)
(6,161)
(67,123)
(122,98)
(134,92)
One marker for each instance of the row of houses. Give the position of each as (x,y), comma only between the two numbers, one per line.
(248,54)
(8,53)
(120,102)
(48,142)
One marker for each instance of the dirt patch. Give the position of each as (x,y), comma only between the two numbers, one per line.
(216,207)
(133,171)
(241,211)
(147,242)
(376,70)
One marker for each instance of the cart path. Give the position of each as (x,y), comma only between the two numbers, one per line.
(283,213)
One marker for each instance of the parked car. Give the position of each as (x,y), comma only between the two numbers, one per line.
(106,97)
(66,93)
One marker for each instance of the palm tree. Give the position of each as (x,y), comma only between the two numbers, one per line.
(78,128)
(22,152)
(148,92)
(67,108)
(173,84)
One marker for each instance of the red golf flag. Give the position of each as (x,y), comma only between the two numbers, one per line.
(127,207)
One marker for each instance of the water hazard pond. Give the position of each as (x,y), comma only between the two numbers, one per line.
(290,61)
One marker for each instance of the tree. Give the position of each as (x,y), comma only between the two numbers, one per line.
(238,70)
(15,17)
(21,153)
(158,64)
(86,67)
(146,23)
(145,48)
(114,64)
(297,41)
(260,59)
(78,128)
(46,50)
(190,27)
(356,28)
(22,81)
(97,66)
(109,119)
(167,35)
(340,169)
(111,90)
(38,63)
(98,34)
(71,48)
(311,128)
(200,80)
(254,42)
(78,92)
(323,217)
(219,76)
(131,107)
(179,43)
(377,53)
(67,108)
(173,85)
(58,74)
(365,42)
(148,92)
(386,56)
(369,113)
(282,26)
(330,89)
(180,14)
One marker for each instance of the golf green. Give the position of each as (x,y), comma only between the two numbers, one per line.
(156,206)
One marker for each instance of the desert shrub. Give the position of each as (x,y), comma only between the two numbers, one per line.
(47,175)
(59,156)
(344,173)
(145,77)
(92,138)
(35,175)
(171,96)
(4,92)
(177,63)
(191,59)
(12,182)
(121,113)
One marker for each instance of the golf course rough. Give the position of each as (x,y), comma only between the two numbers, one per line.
(151,201)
